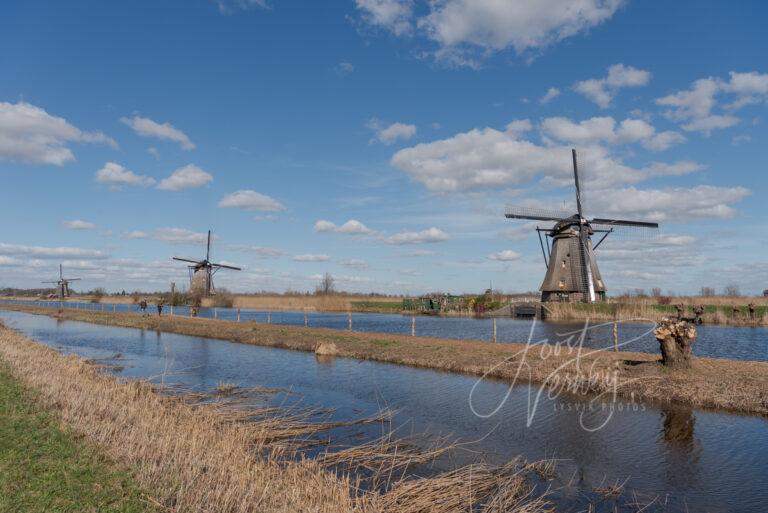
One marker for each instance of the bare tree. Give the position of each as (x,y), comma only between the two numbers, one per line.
(707,291)
(656,291)
(327,285)
(731,290)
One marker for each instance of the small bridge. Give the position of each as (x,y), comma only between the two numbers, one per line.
(522,310)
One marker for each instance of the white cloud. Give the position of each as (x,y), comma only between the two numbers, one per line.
(231,6)
(605,130)
(694,107)
(260,252)
(429,235)
(78,224)
(186,177)
(250,200)
(389,134)
(552,93)
(29,134)
(146,127)
(171,235)
(344,68)
(354,263)
(419,253)
(603,90)
(50,252)
(484,158)
(311,258)
(505,256)
(674,204)
(351,227)
(393,15)
(495,25)
(116,175)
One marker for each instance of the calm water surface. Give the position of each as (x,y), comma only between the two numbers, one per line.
(691,460)
(734,342)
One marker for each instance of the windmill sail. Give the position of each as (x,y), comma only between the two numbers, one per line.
(572,272)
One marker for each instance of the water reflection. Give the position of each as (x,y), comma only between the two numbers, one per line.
(697,460)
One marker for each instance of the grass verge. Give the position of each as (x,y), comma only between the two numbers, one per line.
(43,468)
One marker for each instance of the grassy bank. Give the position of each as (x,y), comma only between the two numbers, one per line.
(44,468)
(202,456)
(740,386)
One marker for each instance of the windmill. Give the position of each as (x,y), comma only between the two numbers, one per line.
(62,284)
(201,272)
(572,272)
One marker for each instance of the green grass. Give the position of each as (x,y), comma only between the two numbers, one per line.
(43,468)
(395,306)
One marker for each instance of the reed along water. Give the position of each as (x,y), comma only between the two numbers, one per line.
(684,459)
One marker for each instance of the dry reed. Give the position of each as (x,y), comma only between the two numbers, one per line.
(205,458)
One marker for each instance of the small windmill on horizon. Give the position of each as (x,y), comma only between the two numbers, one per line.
(201,272)
(62,284)
(572,272)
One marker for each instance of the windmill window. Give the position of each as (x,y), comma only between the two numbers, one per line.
(563,264)
(561,284)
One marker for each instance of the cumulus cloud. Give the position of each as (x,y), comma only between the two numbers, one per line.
(232,6)
(311,258)
(45,252)
(606,130)
(392,15)
(78,224)
(603,90)
(187,177)
(673,204)
(389,134)
(251,200)
(29,134)
(459,26)
(485,158)
(116,175)
(351,227)
(430,235)
(171,235)
(146,127)
(552,93)
(694,107)
(505,256)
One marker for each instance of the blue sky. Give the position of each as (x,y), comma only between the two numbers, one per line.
(379,140)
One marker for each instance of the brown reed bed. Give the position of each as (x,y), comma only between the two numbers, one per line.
(207,458)
(732,385)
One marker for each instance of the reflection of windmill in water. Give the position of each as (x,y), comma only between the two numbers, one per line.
(201,272)
(572,272)
(62,284)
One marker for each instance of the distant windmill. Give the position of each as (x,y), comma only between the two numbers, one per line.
(572,272)
(62,284)
(201,272)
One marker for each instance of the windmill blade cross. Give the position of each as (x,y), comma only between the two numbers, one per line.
(187,260)
(576,180)
(223,266)
(535,214)
(623,222)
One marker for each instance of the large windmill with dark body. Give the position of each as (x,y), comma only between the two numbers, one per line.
(572,273)
(62,284)
(201,272)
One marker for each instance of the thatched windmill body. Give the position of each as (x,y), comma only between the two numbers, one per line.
(62,284)
(201,272)
(572,272)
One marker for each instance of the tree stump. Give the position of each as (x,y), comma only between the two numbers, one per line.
(676,340)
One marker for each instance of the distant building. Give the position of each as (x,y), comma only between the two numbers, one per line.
(765,292)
